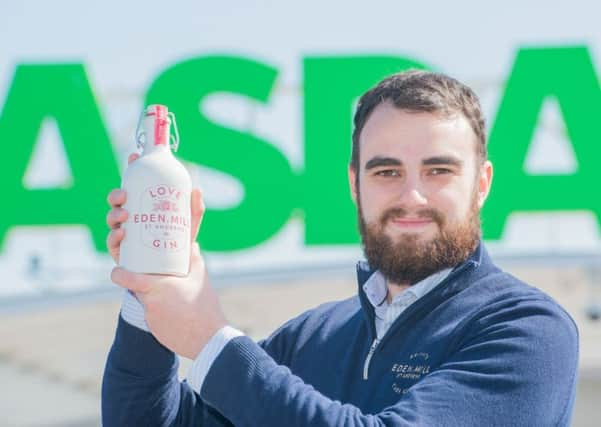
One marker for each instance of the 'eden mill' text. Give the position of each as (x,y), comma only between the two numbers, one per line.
(162,219)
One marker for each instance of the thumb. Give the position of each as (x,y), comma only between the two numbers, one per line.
(197,210)
(195,255)
(197,261)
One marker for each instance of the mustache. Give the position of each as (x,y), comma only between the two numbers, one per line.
(427,213)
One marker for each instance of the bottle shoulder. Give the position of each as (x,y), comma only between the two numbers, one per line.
(156,167)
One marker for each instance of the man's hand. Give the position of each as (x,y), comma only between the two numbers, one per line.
(183,313)
(117,216)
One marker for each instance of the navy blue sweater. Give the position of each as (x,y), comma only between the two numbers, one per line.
(480,349)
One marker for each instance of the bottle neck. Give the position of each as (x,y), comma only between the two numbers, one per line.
(160,148)
(156,135)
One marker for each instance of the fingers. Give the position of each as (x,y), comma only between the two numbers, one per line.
(197,208)
(117,197)
(113,242)
(115,217)
(136,282)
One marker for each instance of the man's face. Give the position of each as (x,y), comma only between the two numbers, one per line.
(419,189)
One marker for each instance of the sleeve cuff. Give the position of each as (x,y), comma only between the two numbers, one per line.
(132,311)
(208,355)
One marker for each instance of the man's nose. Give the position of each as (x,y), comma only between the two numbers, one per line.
(412,195)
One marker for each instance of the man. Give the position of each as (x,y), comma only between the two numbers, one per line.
(437,336)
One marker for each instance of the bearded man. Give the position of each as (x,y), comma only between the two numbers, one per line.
(437,335)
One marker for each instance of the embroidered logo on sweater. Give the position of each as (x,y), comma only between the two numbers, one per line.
(407,374)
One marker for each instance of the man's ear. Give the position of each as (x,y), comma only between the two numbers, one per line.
(484,182)
(352,181)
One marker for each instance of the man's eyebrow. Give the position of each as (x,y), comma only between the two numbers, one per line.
(443,160)
(378,161)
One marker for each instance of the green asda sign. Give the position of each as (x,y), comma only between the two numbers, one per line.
(273,190)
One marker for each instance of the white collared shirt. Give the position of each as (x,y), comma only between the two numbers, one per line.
(376,291)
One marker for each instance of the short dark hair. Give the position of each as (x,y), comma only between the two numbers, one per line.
(422,91)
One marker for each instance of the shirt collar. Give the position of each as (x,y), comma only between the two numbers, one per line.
(376,290)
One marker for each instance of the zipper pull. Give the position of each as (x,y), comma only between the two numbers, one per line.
(371,352)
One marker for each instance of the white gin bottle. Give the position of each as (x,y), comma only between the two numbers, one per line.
(157,231)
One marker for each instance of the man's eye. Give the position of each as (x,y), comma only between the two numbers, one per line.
(439,171)
(388,172)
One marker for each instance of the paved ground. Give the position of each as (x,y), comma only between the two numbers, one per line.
(54,355)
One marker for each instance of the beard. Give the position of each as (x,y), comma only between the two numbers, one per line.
(410,259)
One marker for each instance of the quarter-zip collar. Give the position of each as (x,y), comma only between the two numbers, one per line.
(377,291)
(478,263)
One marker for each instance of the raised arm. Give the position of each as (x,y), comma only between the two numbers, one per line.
(140,383)
(516,365)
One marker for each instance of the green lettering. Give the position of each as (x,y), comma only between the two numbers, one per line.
(264,172)
(61,92)
(568,75)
